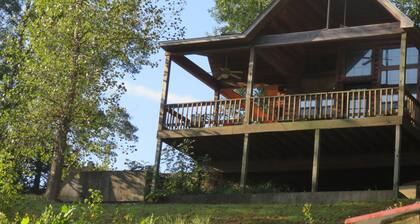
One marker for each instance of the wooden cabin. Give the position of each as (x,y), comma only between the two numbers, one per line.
(316,95)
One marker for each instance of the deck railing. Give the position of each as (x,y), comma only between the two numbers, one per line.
(329,105)
(352,104)
(412,109)
(205,114)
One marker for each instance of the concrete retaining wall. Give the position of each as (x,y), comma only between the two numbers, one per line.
(318,197)
(116,186)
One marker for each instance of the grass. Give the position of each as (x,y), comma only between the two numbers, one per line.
(230,214)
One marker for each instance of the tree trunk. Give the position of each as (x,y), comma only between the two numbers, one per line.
(54,180)
(37,178)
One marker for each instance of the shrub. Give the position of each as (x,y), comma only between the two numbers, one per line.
(307,214)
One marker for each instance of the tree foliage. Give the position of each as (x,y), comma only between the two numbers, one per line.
(63,62)
(236,15)
(410,7)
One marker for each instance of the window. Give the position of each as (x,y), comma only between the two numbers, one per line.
(391,57)
(390,69)
(392,77)
(359,63)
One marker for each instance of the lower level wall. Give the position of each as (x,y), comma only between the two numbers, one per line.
(115,186)
(318,197)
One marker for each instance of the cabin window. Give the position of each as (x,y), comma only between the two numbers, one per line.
(391,57)
(359,63)
(392,77)
(390,68)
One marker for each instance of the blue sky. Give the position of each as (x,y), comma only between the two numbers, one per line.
(143,96)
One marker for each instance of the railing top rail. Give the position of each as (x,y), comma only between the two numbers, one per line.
(203,102)
(292,95)
(328,92)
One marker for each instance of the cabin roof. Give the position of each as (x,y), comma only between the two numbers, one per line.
(258,25)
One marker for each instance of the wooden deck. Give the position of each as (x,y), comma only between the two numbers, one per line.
(338,109)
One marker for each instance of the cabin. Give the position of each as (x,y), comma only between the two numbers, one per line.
(316,95)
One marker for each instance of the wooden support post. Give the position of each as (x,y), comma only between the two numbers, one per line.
(396,184)
(328,14)
(401,84)
(216,107)
(163,102)
(315,164)
(249,89)
(249,85)
(244,169)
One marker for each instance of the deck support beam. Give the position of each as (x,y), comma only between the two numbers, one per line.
(396,183)
(315,164)
(249,89)
(163,102)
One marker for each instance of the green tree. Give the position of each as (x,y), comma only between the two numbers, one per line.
(410,7)
(73,56)
(237,15)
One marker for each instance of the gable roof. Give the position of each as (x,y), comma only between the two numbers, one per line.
(259,23)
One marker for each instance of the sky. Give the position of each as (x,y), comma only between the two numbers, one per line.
(142,99)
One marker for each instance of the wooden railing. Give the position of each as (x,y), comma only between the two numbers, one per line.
(329,105)
(412,109)
(205,114)
(351,104)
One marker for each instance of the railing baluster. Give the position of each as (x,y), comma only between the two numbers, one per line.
(268,108)
(294,108)
(278,108)
(288,107)
(392,101)
(300,116)
(332,105)
(284,108)
(273,112)
(336,105)
(316,102)
(387,102)
(258,109)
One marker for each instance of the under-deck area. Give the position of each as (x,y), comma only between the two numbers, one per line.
(350,158)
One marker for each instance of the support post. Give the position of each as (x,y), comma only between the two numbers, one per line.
(216,107)
(163,102)
(244,169)
(249,85)
(401,84)
(315,164)
(396,183)
(328,14)
(249,89)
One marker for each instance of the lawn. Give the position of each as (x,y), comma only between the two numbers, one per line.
(232,214)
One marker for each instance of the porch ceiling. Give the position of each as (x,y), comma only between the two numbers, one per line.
(282,65)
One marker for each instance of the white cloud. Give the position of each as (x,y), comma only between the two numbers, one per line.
(155,95)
